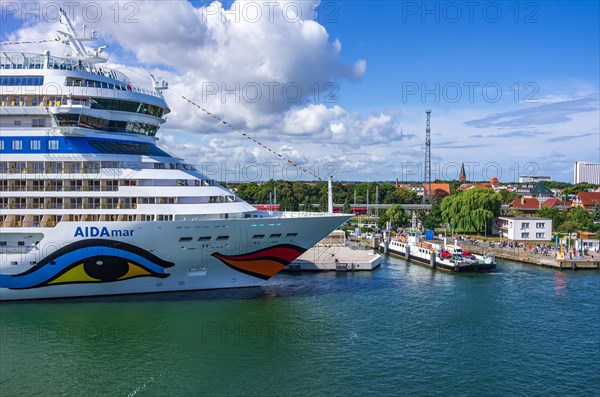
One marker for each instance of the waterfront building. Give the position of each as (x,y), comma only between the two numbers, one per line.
(522,228)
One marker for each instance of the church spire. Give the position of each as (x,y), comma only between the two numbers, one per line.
(463,174)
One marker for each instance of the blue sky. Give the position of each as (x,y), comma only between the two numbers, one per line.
(513,87)
(552,43)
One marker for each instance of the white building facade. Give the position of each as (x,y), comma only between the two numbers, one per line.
(587,172)
(534,178)
(525,228)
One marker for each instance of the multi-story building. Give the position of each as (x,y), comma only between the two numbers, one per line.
(587,172)
(522,228)
(534,178)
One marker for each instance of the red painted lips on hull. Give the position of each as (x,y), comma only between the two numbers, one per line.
(264,263)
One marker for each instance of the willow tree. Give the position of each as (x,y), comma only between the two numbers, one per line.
(472,210)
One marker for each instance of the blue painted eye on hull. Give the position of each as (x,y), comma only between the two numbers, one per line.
(89,261)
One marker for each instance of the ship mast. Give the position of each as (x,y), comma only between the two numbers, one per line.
(75,42)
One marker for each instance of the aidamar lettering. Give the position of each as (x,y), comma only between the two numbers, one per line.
(92,231)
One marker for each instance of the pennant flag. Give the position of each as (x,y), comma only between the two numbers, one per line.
(293,163)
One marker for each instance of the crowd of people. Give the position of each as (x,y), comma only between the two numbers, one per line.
(545,249)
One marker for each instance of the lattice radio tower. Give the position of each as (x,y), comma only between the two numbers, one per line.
(427,177)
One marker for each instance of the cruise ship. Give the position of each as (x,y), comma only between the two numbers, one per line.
(91,205)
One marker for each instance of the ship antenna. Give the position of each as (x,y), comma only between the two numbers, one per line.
(159,86)
(75,42)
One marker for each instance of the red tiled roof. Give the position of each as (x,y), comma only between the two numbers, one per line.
(525,203)
(588,198)
(437,186)
(551,202)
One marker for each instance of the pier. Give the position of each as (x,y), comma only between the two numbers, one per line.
(521,255)
(333,254)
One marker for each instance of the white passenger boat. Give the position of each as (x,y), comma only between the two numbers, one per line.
(439,255)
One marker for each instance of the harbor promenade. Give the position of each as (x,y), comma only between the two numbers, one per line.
(524,254)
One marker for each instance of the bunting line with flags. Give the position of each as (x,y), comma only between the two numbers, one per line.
(30,41)
(233,128)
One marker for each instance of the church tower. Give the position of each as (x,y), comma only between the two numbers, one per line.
(463,174)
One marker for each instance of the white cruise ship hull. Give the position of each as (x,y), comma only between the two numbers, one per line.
(91,259)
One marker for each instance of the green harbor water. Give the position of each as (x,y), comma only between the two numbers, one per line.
(401,330)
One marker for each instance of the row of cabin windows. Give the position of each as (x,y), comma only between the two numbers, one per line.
(77,202)
(96,185)
(32,100)
(97,123)
(222,238)
(21,80)
(85,167)
(10,220)
(274,235)
(76,167)
(35,123)
(34,144)
(126,106)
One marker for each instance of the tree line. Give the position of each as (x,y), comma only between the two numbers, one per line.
(300,196)
(471,211)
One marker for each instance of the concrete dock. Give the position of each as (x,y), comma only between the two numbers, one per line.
(520,255)
(332,254)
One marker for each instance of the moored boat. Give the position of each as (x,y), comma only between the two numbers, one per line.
(437,254)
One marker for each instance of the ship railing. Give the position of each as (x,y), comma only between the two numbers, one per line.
(70,206)
(51,188)
(298,214)
(81,170)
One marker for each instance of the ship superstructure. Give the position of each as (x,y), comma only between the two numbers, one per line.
(91,205)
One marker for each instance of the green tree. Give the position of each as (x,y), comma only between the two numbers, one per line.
(347,209)
(395,214)
(307,205)
(432,219)
(569,227)
(472,210)
(596,213)
(507,196)
(558,217)
(405,196)
(557,185)
(439,195)
(581,217)
(580,187)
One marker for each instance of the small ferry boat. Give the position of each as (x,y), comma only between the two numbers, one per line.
(438,255)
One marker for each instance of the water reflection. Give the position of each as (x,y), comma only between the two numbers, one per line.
(560,283)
